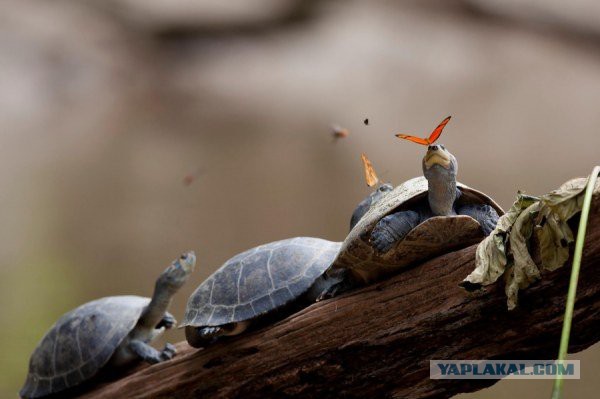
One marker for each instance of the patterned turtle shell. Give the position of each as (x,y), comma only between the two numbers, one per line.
(259,280)
(80,343)
(435,236)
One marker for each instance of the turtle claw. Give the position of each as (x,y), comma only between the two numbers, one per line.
(346,284)
(168,352)
(328,293)
(168,321)
(209,332)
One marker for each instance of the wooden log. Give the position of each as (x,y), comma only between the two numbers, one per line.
(377,341)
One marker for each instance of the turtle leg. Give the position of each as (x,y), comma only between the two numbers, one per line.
(485,215)
(392,229)
(168,321)
(336,289)
(332,284)
(149,354)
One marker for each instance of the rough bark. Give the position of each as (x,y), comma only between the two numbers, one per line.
(377,341)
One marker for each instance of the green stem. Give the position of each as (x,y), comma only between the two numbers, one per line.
(557,391)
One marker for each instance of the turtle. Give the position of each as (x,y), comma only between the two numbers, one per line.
(419,219)
(108,333)
(264,281)
(366,203)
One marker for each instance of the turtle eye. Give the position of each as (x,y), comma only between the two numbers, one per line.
(183,257)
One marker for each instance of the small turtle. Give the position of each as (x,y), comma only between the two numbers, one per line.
(255,283)
(419,219)
(109,332)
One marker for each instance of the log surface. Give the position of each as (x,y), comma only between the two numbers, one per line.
(377,341)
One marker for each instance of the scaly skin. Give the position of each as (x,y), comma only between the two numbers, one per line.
(440,168)
(155,319)
(167,284)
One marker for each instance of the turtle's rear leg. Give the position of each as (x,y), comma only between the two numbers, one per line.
(331,286)
(392,228)
(336,289)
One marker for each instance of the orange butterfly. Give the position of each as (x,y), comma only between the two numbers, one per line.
(432,137)
(339,132)
(370,175)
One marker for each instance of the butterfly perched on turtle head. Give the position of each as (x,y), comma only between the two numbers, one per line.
(437,132)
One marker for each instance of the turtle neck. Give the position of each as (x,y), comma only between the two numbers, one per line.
(441,192)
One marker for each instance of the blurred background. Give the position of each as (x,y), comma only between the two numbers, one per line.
(132,130)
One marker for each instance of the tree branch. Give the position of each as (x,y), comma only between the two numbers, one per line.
(378,341)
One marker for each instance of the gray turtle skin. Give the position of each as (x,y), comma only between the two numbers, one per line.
(421,218)
(255,283)
(108,332)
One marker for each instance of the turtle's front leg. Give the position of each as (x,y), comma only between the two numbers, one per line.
(485,215)
(168,321)
(149,354)
(392,228)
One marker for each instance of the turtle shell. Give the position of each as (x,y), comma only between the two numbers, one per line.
(80,343)
(259,280)
(433,237)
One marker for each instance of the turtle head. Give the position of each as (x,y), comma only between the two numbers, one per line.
(440,168)
(439,161)
(378,194)
(178,272)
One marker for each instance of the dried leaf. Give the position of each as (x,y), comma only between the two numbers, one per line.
(566,201)
(490,263)
(491,257)
(554,236)
(524,270)
(552,231)
(508,219)
(507,250)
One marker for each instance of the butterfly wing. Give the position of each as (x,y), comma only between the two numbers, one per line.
(370,175)
(432,137)
(437,132)
(414,139)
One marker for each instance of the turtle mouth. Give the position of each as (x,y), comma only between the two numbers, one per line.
(438,156)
